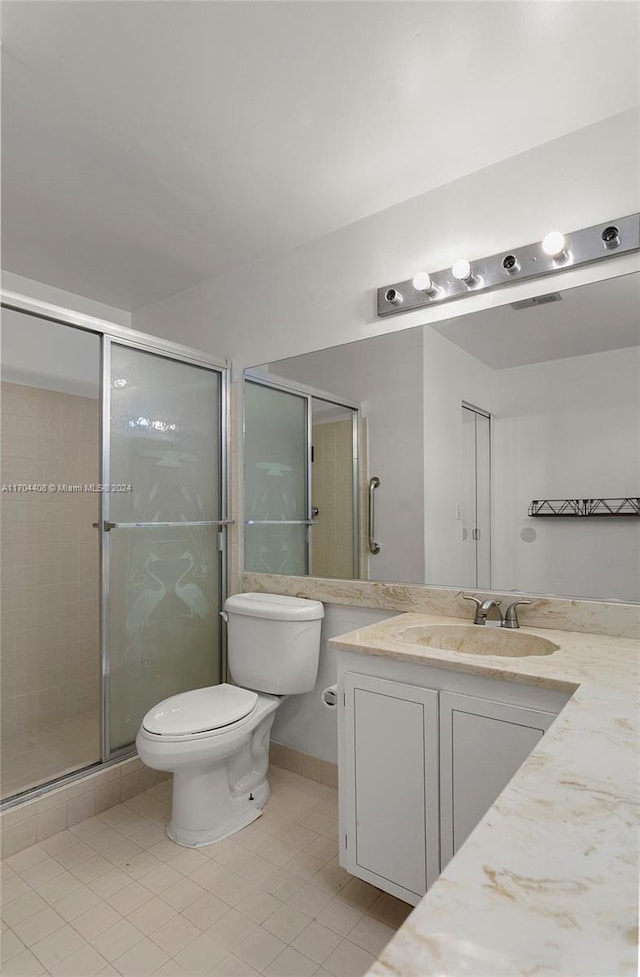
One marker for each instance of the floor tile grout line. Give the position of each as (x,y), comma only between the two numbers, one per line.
(126,815)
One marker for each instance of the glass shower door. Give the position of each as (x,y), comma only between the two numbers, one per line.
(277,459)
(163,525)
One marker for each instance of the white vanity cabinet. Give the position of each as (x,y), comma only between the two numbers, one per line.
(391,768)
(482,745)
(423,754)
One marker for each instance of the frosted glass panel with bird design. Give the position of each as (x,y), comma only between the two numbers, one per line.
(165,586)
(164,580)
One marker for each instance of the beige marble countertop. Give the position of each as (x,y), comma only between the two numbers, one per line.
(547,883)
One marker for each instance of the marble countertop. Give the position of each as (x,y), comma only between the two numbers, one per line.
(547,883)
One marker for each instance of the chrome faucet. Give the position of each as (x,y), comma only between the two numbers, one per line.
(483,607)
(511,616)
(510,619)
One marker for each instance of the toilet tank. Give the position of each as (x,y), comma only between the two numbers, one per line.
(273,642)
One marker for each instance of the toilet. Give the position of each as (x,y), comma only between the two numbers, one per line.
(215,740)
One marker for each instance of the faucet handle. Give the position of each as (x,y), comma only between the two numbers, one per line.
(511,614)
(478,618)
(471,597)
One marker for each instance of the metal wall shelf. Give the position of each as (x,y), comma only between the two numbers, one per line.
(585,507)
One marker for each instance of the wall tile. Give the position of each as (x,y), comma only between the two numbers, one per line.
(45,558)
(108,796)
(18,837)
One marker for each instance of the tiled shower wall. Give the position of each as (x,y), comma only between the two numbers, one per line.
(333,495)
(50,649)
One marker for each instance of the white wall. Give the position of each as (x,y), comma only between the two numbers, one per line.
(384,375)
(302,722)
(66,300)
(568,429)
(323,293)
(39,353)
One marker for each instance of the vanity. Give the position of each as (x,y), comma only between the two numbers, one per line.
(503,783)
(488,777)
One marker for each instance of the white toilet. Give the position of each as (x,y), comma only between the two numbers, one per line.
(215,741)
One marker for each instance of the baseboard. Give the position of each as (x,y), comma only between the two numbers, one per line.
(306,765)
(35,820)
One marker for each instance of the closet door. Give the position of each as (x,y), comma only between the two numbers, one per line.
(483,500)
(476,497)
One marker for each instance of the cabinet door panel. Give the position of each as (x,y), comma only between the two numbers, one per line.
(394,797)
(482,745)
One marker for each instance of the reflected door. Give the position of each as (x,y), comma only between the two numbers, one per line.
(277,459)
(476,498)
(164,521)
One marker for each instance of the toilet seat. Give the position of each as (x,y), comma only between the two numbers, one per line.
(200,711)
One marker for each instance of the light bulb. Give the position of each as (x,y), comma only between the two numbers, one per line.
(461,270)
(554,244)
(422,283)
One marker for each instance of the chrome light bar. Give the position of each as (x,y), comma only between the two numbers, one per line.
(558,252)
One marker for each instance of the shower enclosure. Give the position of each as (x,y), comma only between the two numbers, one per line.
(114,516)
(301,456)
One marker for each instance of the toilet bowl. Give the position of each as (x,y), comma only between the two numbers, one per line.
(215,740)
(219,774)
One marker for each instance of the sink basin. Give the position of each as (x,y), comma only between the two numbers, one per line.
(473,639)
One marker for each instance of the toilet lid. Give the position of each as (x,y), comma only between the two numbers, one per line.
(200,710)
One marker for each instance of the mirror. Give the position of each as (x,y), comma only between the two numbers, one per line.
(468,421)
(301,481)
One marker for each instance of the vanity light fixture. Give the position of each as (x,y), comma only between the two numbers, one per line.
(555,245)
(556,253)
(393,296)
(463,272)
(510,264)
(611,237)
(461,269)
(422,282)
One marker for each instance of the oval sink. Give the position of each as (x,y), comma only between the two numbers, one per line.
(473,639)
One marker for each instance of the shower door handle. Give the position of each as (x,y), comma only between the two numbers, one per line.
(181,524)
(374,547)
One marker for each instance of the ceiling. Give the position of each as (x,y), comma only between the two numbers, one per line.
(148,146)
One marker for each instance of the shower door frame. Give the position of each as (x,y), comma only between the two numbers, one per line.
(191,358)
(304,391)
(108,332)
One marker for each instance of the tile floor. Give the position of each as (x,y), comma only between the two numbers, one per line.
(35,757)
(113,896)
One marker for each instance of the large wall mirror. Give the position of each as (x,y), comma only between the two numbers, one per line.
(465,423)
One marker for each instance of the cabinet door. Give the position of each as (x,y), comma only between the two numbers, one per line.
(482,745)
(391,753)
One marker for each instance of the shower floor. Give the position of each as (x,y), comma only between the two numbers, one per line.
(39,756)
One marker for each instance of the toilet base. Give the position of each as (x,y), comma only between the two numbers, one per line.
(243,811)
(219,782)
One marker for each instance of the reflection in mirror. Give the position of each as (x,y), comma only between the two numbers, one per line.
(301,481)
(470,420)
